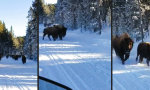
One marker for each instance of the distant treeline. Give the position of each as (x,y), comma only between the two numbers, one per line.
(85,15)
(31,39)
(9,44)
(131,16)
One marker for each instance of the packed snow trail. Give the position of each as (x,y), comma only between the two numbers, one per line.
(81,61)
(132,75)
(17,76)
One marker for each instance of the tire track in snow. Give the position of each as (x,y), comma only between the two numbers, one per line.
(92,65)
(17,76)
(60,68)
(80,71)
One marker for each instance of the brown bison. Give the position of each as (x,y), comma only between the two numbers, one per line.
(55,31)
(61,31)
(15,57)
(23,59)
(50,31)
(122,45)
(143,51)
(1,56)
(7,56)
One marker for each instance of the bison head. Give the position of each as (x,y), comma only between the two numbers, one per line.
(128,44)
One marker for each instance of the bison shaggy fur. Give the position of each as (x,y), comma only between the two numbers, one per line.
(15,57)
(122,45)
(50,31)
(61,31)
(143,51)
(55,31)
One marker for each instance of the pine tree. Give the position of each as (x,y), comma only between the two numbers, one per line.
(41,10)
(11,31)
(127,17)
(85,14)
(30,44)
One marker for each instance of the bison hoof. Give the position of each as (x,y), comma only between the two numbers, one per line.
(123,63)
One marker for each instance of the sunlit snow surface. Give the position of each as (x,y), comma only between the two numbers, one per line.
(17,76)
(81,61)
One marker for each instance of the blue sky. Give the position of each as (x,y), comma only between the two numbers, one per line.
(51,1)
(14,12)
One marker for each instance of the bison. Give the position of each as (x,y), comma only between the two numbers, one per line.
(7,56)
(50,31)
(23,59)
(15,57)
(122,45)
(55,31)
(1,56)
(61,31)
(143,51)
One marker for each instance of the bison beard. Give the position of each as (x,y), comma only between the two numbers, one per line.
(144,51)
(122,46)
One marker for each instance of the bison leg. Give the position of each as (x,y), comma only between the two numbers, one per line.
(126,56)
(147,61)
(0,57)
(44,36)
(54,37)
(23,59)
(136,58)
(49,36)
(7,56)
(60,37)
(116,51)
(141,59)
(122,62)
(122,58)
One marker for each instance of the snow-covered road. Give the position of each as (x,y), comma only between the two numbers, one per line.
(17,76)
(132,75)
(81,61)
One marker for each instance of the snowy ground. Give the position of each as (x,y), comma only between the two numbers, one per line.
(82,61)
(17,76)
(132,75)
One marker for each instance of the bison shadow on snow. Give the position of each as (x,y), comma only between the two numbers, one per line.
(55,31)
(143,51)
(122,45)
